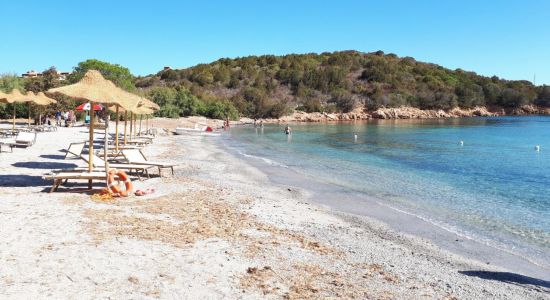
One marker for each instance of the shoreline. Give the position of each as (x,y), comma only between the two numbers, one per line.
(354,205)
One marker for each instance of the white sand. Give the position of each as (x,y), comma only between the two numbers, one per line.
(254,239)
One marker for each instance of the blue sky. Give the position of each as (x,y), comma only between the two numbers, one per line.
(510,39)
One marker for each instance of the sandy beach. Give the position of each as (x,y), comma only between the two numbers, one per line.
(217,229)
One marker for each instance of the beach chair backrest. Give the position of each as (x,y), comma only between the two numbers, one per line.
(75,149)
(26,137)
(98,161)
(133,155)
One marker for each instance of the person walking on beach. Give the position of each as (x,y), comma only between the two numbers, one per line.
(58,118)
(71,118)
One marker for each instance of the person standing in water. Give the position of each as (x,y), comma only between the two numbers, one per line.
(227,125)
(288,130)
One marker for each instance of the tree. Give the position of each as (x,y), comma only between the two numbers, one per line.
(512,98)
(257,98)
(169,75)
(470,95)
(165,97)
(492,93)
(312,105)
(219,110)
(8,82)
(48,80)
(343,100)
(189,105)
(544,96)
(118,74)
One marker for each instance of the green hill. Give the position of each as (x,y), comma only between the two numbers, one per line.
(270,86)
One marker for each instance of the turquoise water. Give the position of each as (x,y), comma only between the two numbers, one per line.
(494,188)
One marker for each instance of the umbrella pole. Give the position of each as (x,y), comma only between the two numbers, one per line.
(147,123)
(29,115)
(116,130)
(131,124)
(140,118)
(106,145)
(91,145)
(125,122)
(13,116)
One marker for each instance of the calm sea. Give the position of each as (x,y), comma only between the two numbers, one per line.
(493,186)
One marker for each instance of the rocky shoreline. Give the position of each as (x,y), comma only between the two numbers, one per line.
(406,112)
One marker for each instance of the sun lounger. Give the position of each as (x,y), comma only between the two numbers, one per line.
(135,156)
(100,163)
(134,140)
(113,154)
(75,150)
(23,139)
(8,132)
(43,128)
(10,145)
(65,175)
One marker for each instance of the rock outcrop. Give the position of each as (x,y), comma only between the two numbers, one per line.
(407,112)
(530,110)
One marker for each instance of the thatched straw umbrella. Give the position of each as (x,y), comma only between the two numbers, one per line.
(3,97)
(15,97)
(41,99)
(38,99)
(94,88)
(148,104)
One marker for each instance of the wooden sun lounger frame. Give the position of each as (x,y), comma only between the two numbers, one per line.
(81,174)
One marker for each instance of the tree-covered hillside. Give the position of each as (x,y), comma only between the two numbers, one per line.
(269,86)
